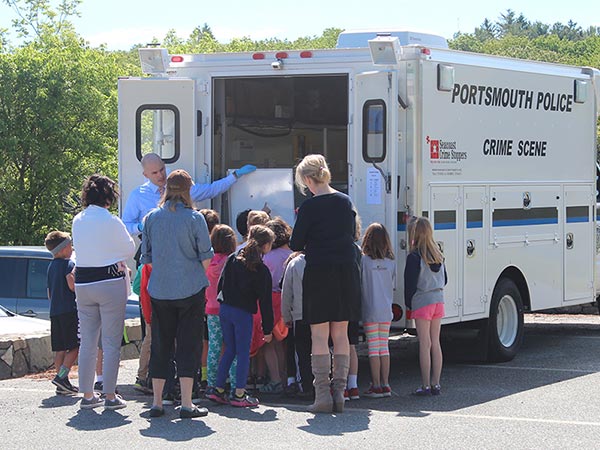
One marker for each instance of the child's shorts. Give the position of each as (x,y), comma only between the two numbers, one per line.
(63,332)
(429,312)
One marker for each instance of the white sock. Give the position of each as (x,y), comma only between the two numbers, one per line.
(99,378)
(352,381)
(291,380)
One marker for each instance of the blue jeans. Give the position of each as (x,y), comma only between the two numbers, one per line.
(236,325)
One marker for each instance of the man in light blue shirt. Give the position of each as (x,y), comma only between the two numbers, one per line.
(144,198)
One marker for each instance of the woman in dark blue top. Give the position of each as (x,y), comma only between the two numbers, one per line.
(325,229)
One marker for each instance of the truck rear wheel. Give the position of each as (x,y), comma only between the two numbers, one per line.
(505,325)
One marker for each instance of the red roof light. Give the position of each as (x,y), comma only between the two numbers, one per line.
(281,55)
(426,51)
(177,59)
(306,54)
(258,56)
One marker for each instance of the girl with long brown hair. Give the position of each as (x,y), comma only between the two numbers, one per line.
(424,280)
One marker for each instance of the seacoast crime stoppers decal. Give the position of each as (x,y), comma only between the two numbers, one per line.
(446,156)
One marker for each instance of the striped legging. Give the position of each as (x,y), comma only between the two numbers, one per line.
(378,334)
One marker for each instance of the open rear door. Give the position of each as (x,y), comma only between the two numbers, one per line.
(156,115)
(373,155)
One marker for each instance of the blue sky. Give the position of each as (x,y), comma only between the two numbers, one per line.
(123,23)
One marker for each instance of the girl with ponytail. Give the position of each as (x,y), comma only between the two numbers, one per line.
(244,280)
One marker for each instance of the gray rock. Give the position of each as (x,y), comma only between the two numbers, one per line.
(40,353)
(7,357)
(5,371)
(5,344)
(20,344)
(19,367)
(129,351)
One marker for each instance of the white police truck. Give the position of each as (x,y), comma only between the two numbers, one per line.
(499,153)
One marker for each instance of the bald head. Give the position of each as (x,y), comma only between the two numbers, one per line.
(154,169)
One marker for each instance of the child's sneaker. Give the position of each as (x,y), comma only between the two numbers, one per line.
(353,394)
(64,384)
(142,386)
(373,392)
(436,389)
(117,403)
(170,398)
(423,391)
(218,395)
(245,401)
(98,386)
(93,402)
(291,390)
(271,388)
(387,390)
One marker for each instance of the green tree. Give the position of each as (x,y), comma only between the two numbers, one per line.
(58,122)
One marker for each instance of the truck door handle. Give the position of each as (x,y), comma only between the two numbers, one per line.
(470,248)
(569,240)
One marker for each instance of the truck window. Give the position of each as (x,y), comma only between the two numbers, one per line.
(374,131)
(157,130)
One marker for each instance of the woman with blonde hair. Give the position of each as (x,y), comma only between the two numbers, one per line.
(177,244)
(325,230)
(424,280)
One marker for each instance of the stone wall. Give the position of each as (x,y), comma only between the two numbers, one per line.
(20,355)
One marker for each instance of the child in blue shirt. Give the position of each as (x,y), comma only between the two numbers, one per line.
(64,324)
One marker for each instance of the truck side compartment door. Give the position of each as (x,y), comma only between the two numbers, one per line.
(579,243)
(155,115)
(474,250)
(446,221)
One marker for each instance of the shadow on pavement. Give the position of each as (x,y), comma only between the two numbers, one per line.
(94,420)
(338,424)
(247,414)
(58,401)
(171,428)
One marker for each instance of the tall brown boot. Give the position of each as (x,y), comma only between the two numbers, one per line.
(341,364)
(320,369)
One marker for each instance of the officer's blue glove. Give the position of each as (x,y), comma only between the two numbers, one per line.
(245,170)
(140,226)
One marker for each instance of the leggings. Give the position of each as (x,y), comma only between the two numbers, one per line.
(215,343)
(378,334)
(236,325)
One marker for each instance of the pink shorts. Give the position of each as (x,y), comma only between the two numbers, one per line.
(429,312)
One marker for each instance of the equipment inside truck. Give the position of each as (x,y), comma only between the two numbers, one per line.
(273,122)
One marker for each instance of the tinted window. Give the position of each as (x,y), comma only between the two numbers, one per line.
(12,277)
(37,278)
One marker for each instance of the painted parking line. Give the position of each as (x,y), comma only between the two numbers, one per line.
(509,419)
(542,369)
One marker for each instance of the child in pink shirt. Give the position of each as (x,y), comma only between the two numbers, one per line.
(223,242)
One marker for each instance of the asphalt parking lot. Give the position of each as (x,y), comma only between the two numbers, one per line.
(547,397)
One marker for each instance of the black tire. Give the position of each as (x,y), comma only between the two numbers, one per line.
(598,304)
(505,324)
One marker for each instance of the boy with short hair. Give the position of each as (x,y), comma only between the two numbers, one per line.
(64,324)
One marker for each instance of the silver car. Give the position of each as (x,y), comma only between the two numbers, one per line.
(24,286)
